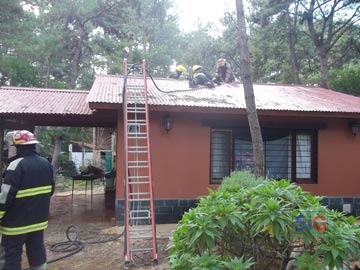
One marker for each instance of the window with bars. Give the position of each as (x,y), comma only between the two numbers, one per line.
(288,154)
(220,154)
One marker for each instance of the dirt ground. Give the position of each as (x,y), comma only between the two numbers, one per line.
(102,256)
(94,256)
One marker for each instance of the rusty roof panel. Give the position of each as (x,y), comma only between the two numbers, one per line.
(43,101)
(108,89)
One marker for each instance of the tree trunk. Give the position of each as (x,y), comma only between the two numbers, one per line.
(55,162)
(292,40)
(245,72)
(293,57)
(77,57)
(324,67)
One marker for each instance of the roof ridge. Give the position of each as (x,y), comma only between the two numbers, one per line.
(39,89)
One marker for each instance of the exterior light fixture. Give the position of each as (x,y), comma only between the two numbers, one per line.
(355,127)
(167,123)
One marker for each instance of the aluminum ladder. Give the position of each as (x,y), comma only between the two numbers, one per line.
(140,230)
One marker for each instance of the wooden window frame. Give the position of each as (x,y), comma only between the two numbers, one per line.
(314,161)
(293,133)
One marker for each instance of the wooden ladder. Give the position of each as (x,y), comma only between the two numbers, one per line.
(140,229)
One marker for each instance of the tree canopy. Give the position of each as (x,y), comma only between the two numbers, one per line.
(64,43)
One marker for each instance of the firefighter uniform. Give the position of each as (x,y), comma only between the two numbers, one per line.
(200,77)
(24,205)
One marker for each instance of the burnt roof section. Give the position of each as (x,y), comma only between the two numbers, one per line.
(270,97)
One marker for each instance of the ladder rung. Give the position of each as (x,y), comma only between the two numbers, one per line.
(136,101)
(130,137)
(138,161)
(135,126)
(137,152)
(139,103)
(135,135)
(141,249)
(136,121)
(139,109)
(139,218)
(139,211)
(138,177)
(140,230)
(137,147)
(141,237)
(136,111)
(137,167)
(138,133)
(136,98)
(140,193)
(140,183)
(136,108)
(135,86)
(139,200)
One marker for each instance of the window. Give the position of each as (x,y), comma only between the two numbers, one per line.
(288,154)
(220,154)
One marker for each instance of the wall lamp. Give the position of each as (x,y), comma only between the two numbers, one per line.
(355,126)
(167,123)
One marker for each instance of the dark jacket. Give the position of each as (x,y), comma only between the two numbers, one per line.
(25,195)
(201,77)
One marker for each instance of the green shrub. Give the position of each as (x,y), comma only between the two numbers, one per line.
(239,179)
(261,223)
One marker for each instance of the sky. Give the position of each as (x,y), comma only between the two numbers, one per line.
(192,11)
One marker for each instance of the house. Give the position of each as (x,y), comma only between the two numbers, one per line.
(198,136)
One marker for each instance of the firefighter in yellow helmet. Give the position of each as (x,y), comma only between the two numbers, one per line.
(179,70)
(200,77)
(24,204)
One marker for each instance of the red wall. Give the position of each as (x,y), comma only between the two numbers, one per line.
(338,161)
(181,158)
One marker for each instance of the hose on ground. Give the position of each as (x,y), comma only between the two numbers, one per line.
(74,245)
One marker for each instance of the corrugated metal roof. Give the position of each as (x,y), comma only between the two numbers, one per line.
(43,101)
(108,89)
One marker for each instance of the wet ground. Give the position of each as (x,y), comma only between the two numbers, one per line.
(93,217)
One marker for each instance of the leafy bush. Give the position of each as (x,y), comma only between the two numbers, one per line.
(347,79)
(240,179)
(252,224)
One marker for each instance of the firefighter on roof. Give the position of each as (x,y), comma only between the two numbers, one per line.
(200,77)
(178,72)
(224,73)
(24,205)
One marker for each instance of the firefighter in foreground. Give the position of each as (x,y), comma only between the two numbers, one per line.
(24,204)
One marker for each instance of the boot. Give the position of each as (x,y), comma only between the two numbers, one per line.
(39,267)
